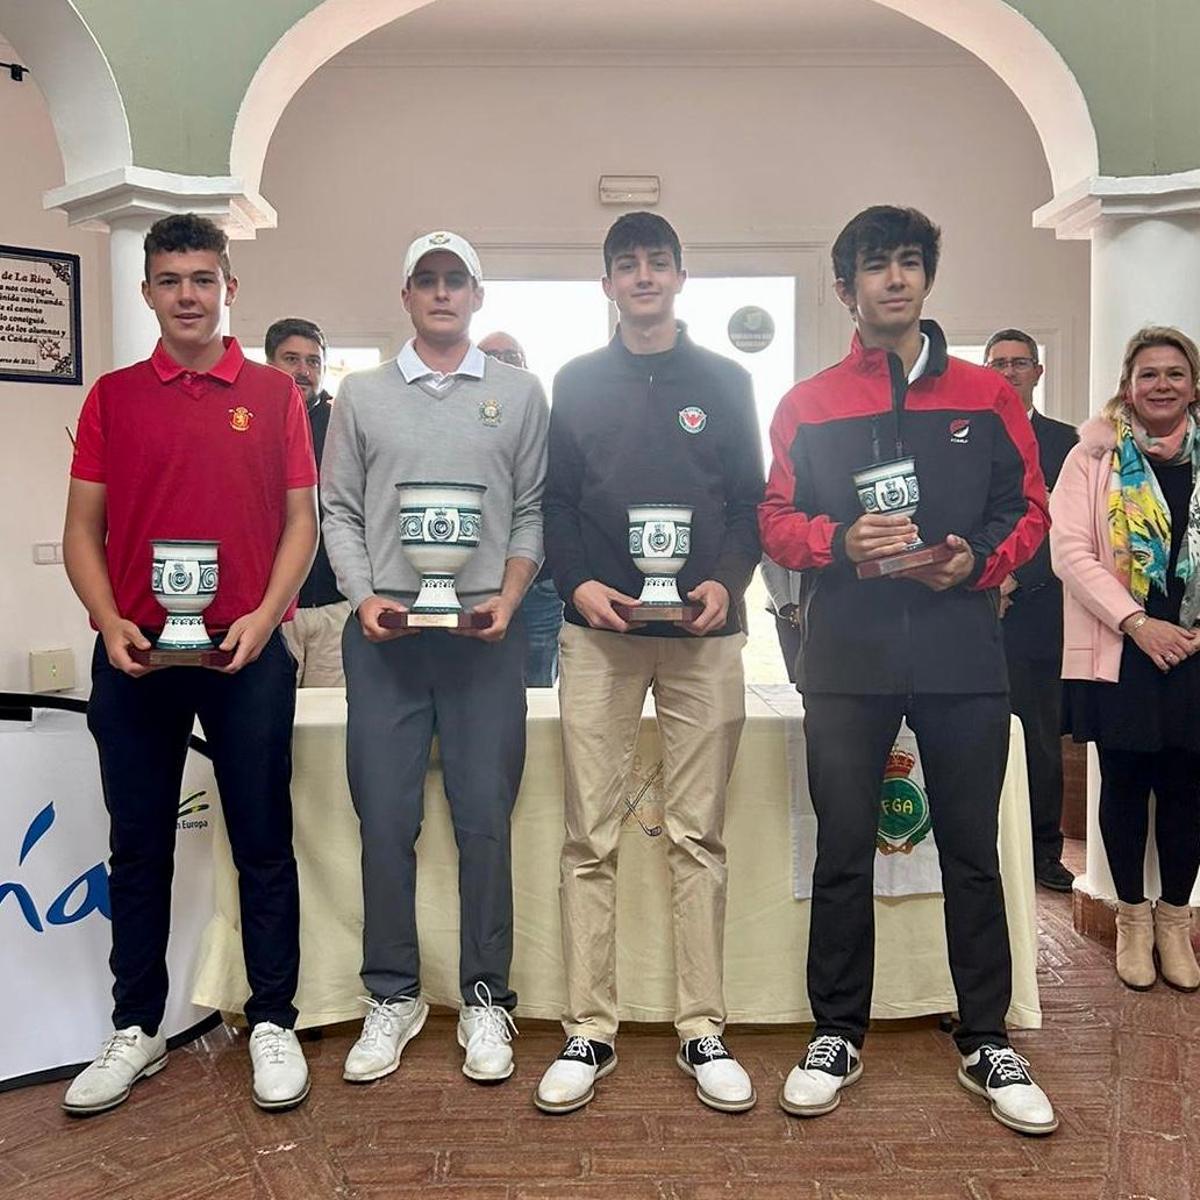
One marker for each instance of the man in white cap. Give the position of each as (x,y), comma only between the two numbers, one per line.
(440,411)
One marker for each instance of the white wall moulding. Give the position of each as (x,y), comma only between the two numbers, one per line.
(1074,213)
(126,192)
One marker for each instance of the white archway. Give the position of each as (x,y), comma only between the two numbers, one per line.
(325,31)
(1016,50)
(1032,69)
(76,82)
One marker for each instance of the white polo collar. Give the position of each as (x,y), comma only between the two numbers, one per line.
(414,368)
(918,368)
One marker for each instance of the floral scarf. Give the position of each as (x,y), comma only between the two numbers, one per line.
(1138,518)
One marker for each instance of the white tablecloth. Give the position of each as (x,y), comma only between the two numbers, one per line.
(766,929)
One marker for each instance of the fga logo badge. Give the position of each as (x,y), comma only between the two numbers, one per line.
(960,430)
(904,809)
(692,419)
(240,418)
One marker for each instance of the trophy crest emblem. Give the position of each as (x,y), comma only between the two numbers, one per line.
(904,819)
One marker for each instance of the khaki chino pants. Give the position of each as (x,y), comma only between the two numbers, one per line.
(700,701)
(314,636)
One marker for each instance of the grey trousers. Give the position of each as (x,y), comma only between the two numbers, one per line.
(472,694)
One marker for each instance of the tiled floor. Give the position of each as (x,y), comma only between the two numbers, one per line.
(1118,1064)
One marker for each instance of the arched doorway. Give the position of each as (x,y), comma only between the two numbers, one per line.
(1016,50)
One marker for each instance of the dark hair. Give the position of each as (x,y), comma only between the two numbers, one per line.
(187,231)
(884,228)
(640,230)
(1010,335)
(288,327)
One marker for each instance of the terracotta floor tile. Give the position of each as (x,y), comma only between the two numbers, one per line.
(1121,1067)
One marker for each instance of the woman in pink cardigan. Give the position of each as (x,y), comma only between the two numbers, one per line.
(1125,541)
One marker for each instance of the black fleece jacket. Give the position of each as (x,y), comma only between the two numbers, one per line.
(677,427)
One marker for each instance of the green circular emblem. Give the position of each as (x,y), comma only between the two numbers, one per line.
(903,810)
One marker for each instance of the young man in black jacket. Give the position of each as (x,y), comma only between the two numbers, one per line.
(923,645)
(651,418)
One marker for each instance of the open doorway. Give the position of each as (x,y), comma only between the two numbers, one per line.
(750,319)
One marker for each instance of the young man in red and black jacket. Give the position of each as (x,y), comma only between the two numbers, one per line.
(924,645)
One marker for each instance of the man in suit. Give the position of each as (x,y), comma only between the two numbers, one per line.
(1031,604)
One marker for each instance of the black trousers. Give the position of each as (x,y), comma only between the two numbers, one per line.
(1035,693)
(963,740)
(1126,778)
(141,727)
(789,645)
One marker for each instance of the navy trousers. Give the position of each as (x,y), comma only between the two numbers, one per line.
(141,727)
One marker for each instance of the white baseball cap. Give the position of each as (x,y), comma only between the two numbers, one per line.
(442,240)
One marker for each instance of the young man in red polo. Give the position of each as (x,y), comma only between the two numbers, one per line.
(193,443)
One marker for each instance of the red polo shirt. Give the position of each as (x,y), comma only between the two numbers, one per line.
(196,455)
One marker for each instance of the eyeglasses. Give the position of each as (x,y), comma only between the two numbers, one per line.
(514,358)
(1017,364)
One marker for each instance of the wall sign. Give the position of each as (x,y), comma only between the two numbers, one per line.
(39,317)
(751,329)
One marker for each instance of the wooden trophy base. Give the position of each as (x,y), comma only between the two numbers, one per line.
(640,614)
(154,657)
(390,619)
(918,556)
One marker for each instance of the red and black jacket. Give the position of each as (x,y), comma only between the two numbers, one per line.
(977,462)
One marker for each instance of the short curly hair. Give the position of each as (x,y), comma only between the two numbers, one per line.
(187,231)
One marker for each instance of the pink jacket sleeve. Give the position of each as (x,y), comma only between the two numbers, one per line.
(1079,561)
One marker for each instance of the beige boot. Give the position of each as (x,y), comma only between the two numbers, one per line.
(1135,945)
(1173,941)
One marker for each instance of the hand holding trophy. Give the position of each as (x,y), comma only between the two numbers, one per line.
(183,578)
(439,528)
(891,489)
(660,539)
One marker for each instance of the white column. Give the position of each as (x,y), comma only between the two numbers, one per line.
(1145,271)
(134,329)
(126,201)
(1145,235)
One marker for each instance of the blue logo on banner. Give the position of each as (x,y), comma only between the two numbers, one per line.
(84,895)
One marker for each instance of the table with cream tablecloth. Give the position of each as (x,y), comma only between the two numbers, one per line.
(766,932)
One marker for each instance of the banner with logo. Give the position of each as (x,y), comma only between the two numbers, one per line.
(906,859)
(55,930)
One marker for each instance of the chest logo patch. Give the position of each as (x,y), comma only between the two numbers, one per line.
(960,430)
(692,419)
(240,418)
(490,411)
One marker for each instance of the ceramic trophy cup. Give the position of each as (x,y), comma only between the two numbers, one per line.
(183,578)
(439,528)
(660,539)
(891,489)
